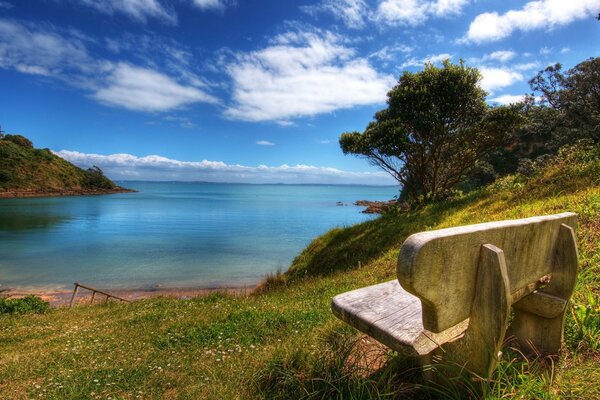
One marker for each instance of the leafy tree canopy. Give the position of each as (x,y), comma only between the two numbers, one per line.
(575,96)
(436,127)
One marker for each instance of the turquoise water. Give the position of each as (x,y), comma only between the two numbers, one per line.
(171,234)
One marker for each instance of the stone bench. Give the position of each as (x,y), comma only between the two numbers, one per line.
(456,286)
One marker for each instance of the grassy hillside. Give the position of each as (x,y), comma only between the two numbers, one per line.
(25,168)
(283,341)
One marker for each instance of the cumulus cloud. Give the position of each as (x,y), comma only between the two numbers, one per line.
(139,10)
(42,52)
(390,53)
(356,13)
(210,4)
(157,168)
(419,62)
(540,14)
(144,89)
(353,13)
(63,55)
(507,99)
(501,55)
(264,143)
(415,12)
(496,78)
(302,74)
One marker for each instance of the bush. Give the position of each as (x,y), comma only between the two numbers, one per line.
(95,179)
(25,305)
(19,140)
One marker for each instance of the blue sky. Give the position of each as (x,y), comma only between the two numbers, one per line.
(253,91)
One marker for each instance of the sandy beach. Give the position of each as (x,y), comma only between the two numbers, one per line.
(61,298)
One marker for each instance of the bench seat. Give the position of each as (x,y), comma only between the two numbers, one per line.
(391,315)
(456,287)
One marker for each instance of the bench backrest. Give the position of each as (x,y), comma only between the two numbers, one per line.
(440,267)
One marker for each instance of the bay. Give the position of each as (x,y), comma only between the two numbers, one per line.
(170,234)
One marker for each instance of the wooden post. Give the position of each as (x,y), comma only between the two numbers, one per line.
(94,291)
(539,318)
(478,350)
(74,294)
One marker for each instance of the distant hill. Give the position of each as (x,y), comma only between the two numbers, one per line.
(26,171)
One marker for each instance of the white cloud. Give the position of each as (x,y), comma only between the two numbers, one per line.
(501,55)
(389,53)
(352,13)
(540,14)
(497,78)
(210,4)
(139,10)
(32,50)
(130,167)
(183,122)
(5,5)
(264,143)
(526,66)
(144,89)
(507,99)
(42,52)
(302,74)
(415,12)
(419,62)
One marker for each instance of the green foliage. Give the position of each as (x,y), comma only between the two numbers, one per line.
(284,342)
(25,305)
(95,179)
(23,167)
(586,322)
(19,141)
(575,97)
(434,130)
(569,111)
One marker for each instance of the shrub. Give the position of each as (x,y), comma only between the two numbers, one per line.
(25,305)
(19,140)
(95,179)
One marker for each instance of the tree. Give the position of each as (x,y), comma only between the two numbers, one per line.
(94,179)
(436,127)
(575,96)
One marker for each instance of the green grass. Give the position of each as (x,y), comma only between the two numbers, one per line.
(283,341)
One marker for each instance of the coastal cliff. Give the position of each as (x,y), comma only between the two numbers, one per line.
(29,172)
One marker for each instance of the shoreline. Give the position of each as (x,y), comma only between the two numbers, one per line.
(61,298)
(27,193)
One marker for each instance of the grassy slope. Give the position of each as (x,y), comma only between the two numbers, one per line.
(284,342)
(27,168)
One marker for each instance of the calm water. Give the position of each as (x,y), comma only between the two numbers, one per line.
(172,234)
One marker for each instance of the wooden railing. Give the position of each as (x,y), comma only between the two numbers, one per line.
(94,291)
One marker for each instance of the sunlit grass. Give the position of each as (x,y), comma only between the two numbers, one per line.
(284,342)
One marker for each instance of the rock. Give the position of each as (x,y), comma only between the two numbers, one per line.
(375,207)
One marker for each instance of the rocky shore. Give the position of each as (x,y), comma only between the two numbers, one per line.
(18,193)
(375,207)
